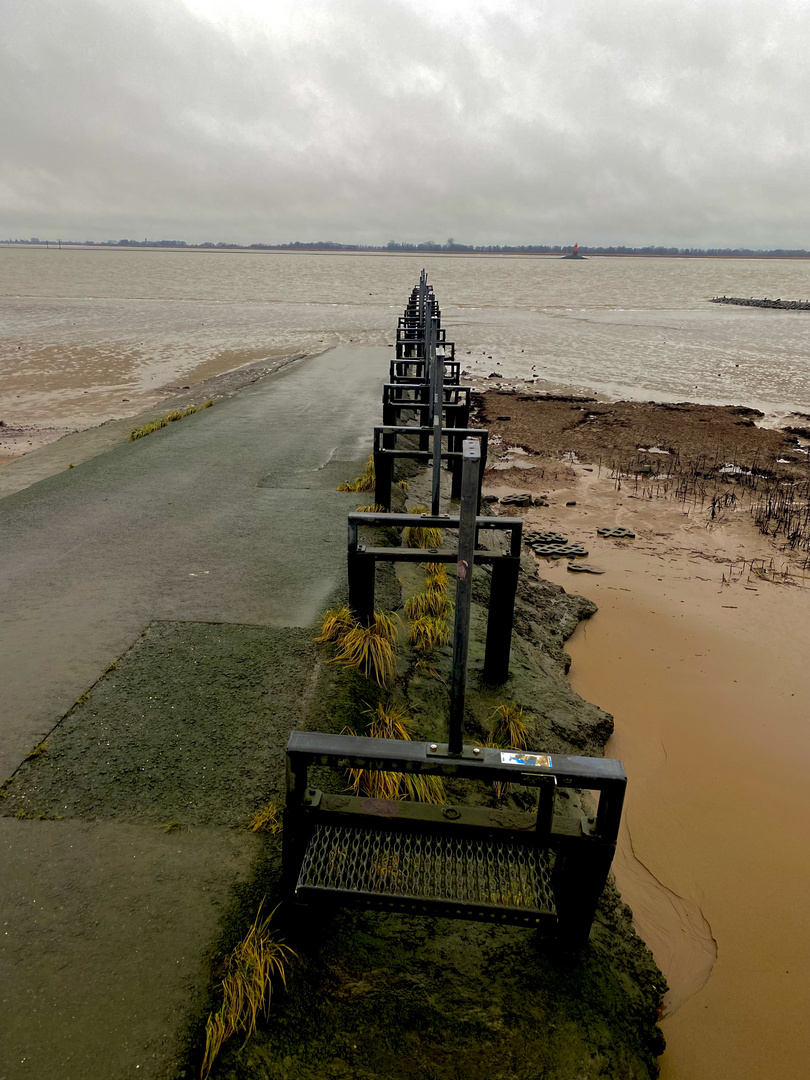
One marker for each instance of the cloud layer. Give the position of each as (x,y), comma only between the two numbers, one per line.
(524,121)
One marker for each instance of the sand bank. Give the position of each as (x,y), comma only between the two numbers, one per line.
(61,448)
(48,396)
(702,661)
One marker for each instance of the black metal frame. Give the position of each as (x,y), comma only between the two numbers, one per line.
(362,565)
(455,398)
(400,369)
(386,452)
(332,843)
(583,846)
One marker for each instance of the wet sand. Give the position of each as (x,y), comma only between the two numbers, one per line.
(703,664)
(54,391)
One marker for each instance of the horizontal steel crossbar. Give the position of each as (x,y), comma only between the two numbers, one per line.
(398,755)
(358,519)
(395,431)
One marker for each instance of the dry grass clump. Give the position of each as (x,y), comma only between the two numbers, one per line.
(247,987)
(509,727)
(433,602)
(265,820)
(419,537)
(404,485)
(366,481)
(363,648)
(435,576)
(429,612)
(421,788)
(334,624)
(370,649)
(426,633)
(169,418)
(389,721)
(376,784)
(374,508)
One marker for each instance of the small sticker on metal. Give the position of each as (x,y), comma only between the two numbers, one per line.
(536,761)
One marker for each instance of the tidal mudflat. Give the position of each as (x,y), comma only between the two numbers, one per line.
(698,651)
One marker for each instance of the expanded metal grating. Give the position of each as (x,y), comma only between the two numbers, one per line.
(410,871)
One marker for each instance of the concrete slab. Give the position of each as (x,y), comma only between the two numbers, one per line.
(197,521)
(111,925)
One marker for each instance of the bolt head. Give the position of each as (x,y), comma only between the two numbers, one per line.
(476,749)
(434,747)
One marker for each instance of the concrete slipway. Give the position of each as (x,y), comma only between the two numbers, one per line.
(224,525)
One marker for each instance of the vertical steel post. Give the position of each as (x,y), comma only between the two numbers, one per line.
(501,619)
(433,365)
(471,456)
(361,569)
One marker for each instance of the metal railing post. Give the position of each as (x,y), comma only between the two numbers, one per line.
(471,456)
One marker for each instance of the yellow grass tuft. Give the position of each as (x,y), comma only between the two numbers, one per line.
(375,784)
(386,625)
(246,988)
(404,485)
(366,481)
(416,536)
(509,727)
(422,788)
(334,624)
(169,418)
(265,820)
(374,508)
(364,648)
(428,632)
(433,602)
(371,649)
(38,751)
(389,722)
(436,576)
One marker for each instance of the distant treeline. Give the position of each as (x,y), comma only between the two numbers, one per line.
(449,247)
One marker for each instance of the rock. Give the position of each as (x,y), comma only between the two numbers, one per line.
(490,498)
(572,503)
(494,375)
(584,568)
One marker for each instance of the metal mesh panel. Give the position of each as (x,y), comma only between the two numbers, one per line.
(488,877)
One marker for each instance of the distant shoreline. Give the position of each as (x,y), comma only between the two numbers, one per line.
(303,249)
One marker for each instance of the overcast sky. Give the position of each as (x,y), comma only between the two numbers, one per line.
(520,121)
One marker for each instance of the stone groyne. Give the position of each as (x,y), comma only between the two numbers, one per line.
(784,305)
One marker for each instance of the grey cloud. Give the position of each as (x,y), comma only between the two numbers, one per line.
(657,122)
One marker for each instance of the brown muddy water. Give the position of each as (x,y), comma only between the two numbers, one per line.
(703,665)
(90,334)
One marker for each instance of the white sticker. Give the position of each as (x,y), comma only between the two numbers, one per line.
(537,761)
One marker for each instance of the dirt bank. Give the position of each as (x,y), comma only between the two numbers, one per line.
(621,432)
